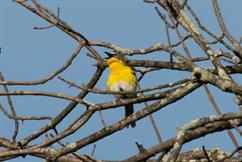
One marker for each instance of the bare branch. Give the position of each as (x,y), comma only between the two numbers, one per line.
(51,76)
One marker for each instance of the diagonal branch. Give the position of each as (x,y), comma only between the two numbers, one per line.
(51,76)
(171,97)
(208,128)
(52,124)
(224,28)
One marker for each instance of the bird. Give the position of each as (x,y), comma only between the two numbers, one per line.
(122,78)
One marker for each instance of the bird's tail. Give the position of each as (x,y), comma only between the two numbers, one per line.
(129,109)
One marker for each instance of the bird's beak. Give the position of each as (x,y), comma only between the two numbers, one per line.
(110,54)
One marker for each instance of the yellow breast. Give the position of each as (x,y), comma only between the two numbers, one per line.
(121,77)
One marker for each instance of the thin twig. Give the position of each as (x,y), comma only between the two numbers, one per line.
(23,118)
(163,17)
(51,76)
(10,103)
(101,91)
(93,150)
(206,154)
(51,25)
(215,106)
(49,94)
(84,158)
(201,26)
(224,28)
(231,154)
(102,118)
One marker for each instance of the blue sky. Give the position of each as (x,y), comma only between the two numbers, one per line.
(29,54)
